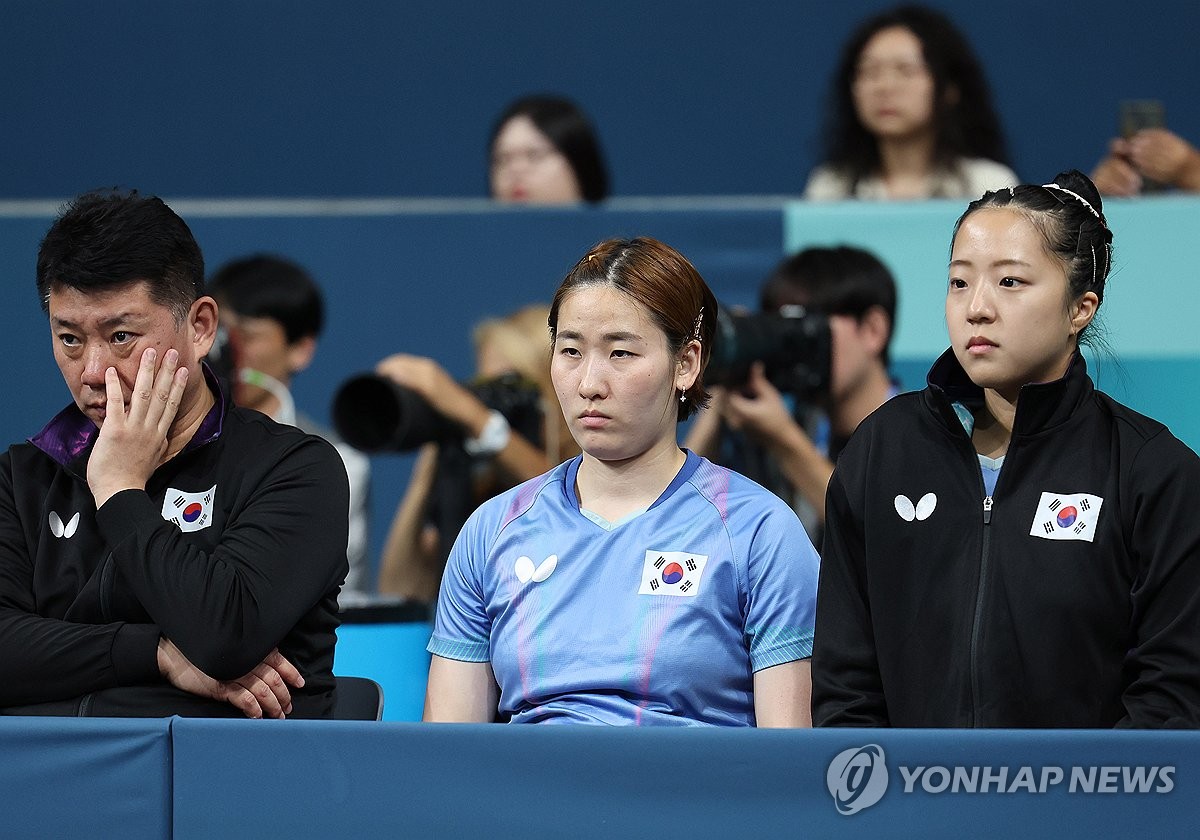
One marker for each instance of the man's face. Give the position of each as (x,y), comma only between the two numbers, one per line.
(852,356)
(261,345)
(93,331)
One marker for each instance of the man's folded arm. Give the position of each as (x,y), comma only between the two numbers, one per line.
(228,608)
(43,659)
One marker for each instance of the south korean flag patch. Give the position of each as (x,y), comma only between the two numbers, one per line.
(672,573)
(1066,516)
(190,511)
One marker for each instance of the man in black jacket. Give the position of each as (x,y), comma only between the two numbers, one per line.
(161,552)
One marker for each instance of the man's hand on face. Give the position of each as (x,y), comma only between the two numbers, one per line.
(264,692)
(132,444)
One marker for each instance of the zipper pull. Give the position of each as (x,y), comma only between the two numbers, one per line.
(987,510)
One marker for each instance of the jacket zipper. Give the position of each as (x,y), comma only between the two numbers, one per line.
(975,625)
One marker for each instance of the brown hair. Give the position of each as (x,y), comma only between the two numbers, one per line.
(665,284)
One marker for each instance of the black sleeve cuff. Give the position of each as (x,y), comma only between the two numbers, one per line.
(135,654)
(118,516)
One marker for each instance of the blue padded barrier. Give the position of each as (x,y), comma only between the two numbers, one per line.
(354,779)
(78,777)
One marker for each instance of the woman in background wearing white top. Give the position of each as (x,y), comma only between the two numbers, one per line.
(910,115)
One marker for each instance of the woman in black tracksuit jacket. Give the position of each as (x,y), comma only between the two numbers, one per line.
(1011,547)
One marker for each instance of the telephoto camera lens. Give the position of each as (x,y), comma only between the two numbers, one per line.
(374,414)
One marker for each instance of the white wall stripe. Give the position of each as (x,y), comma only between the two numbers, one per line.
(48,208)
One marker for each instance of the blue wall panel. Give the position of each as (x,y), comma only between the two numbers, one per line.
(371,97)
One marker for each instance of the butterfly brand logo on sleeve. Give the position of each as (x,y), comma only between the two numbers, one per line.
(1066,516)
(672,573)
(189,511)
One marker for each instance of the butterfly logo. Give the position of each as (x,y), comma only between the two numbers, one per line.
(61,531)
(921,511)
(526,571)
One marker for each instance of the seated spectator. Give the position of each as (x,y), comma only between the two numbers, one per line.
(161,552)
(543,150)
(1152,155)
(910,115)
(636,584)
(273,312)
(1011,547)
(788,447)
(419,540)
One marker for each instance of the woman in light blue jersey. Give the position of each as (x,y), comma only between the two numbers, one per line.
(637,583)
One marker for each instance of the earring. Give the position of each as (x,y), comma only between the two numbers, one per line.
(683,396)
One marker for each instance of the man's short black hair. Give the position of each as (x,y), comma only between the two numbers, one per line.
(107,239)
(834,281)
(267,286)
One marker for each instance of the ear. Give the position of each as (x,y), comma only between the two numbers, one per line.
(300,353)
(202,325)
(952,96)
(688,368)
(875,330)
(1082,311)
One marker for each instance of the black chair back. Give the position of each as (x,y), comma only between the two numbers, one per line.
(357,698)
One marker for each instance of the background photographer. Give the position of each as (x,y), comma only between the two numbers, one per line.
(788,447)
(500,456)
(273,311)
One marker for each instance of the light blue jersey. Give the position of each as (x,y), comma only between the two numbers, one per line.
(658,620)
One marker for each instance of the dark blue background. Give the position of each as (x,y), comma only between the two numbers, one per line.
(371,97)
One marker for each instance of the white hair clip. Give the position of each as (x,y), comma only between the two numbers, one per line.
(1073,195)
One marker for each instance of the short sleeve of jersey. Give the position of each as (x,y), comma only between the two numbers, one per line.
(782,568)
(461,628)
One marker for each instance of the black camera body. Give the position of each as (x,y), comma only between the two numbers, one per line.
(374,414)
(793,345)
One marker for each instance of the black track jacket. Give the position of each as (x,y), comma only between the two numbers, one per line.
(251,559)
(1069,598)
